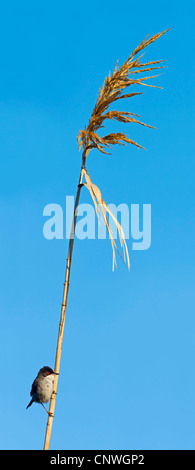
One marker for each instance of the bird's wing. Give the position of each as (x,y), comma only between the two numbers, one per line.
(34,387)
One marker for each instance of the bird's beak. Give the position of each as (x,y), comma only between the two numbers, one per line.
(56,373)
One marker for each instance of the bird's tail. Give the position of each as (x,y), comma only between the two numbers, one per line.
(31,402)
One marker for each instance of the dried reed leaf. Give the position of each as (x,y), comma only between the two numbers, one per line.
(101,209)
(111,91)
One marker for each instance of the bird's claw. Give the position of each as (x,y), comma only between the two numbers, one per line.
(49,413)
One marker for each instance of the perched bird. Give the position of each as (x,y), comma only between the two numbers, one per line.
(42,387)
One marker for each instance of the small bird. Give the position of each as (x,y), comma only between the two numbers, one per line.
(42,387)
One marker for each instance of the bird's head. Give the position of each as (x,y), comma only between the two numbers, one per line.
(45,371)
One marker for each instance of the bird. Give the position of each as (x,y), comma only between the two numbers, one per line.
(42,387)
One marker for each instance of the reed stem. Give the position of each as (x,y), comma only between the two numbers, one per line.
(63,311)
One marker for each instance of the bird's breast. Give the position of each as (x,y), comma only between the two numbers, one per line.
(45,389)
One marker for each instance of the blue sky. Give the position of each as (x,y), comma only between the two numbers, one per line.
(127,370)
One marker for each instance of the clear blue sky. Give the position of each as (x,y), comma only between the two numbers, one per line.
(127,371)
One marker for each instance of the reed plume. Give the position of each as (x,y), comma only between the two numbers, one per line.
(111,91)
